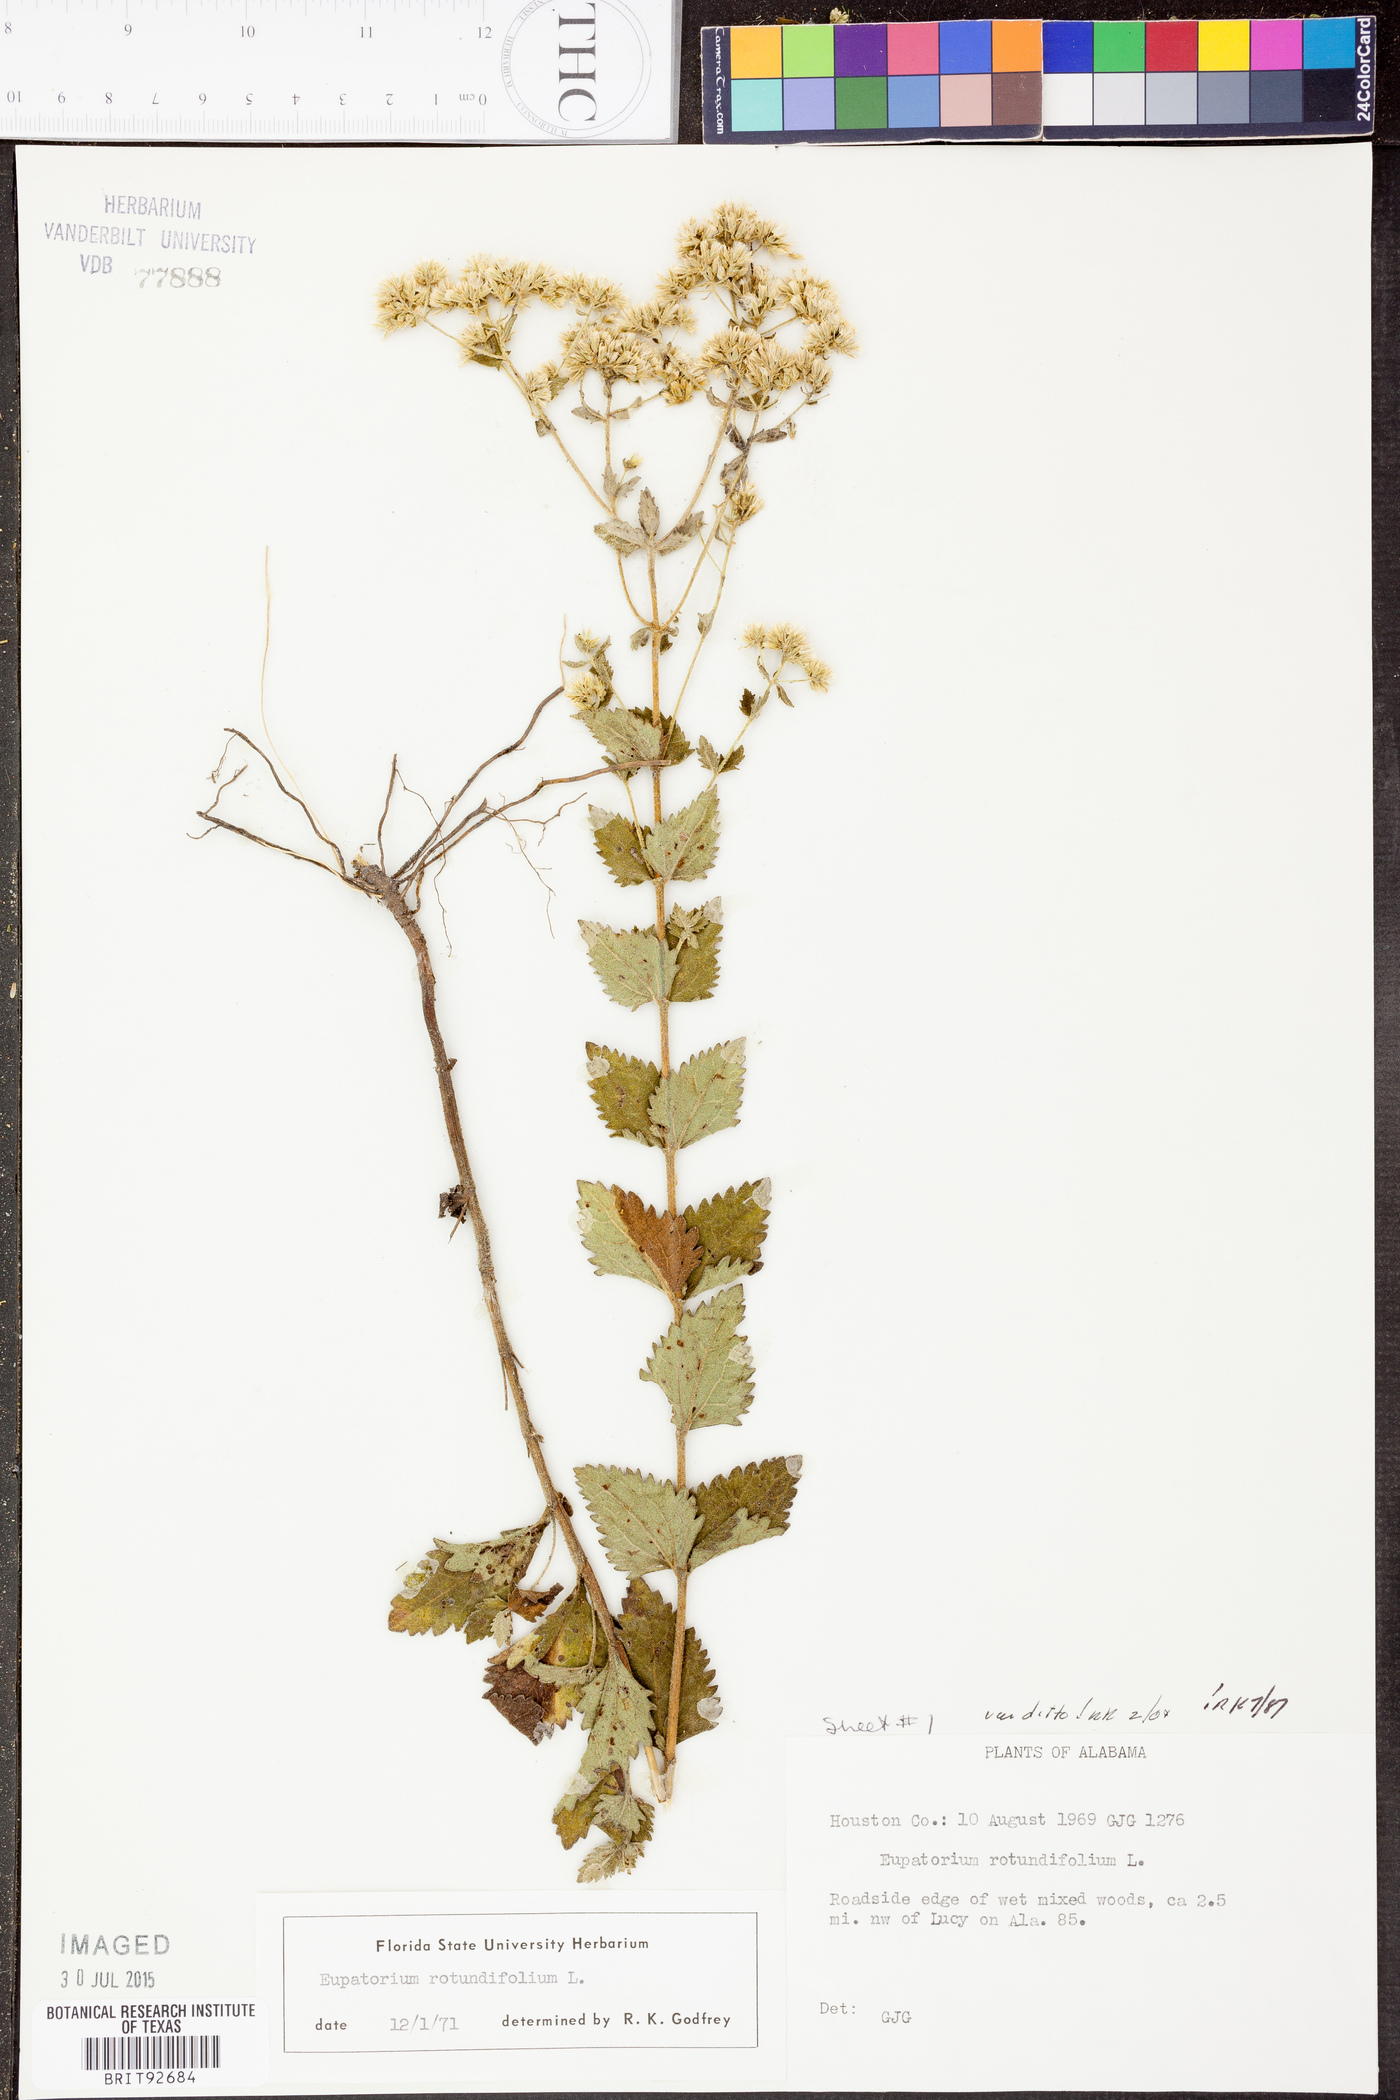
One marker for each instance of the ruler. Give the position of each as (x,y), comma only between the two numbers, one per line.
(322,71)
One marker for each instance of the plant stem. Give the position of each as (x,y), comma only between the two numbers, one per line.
(378,885)
(678,1651)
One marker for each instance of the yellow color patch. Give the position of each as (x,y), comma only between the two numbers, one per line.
(1223,47)
(757,54)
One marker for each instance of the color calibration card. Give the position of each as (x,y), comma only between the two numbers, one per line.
(876,81)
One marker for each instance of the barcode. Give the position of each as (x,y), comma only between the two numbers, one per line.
(151,2052)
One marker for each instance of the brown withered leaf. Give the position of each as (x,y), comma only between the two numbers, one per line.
(739,1508)
(621,1087)
(647,1630)
(570,1638)
(732,1226)
(464,1586)
(670,1247)
(526,1703)
(533,1604)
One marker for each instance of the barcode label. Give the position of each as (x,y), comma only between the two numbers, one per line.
(151,2052)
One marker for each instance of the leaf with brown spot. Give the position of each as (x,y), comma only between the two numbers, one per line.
(618,847)
(464,1586)
(609,1806)
(731,1228)
(647,1630)
(645,1524)
(622,1087)
(739,1508)
(694,941)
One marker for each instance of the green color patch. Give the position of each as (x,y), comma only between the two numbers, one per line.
(860,105)
(1120,47)
(809,52)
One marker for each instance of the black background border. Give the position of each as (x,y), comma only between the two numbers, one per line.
(1385,618)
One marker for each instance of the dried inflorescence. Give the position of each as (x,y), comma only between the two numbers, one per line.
(640,1683)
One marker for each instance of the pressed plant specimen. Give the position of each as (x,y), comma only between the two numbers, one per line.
(638,1679)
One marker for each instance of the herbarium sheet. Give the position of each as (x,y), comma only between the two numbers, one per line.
(697,1120)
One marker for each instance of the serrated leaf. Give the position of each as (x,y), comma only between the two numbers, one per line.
(701,1096)
(617,846)
(464,1586)
(694,938)
(606,1860)
(521,1699)
(716,761)
(679,534)
(629,736)
(644,1524)
(648,515)
(610,1806)
(717,1275)
(609,1245)
(647,1630)
(626,1237)
(741,1507)
(624,539)
(632,965)
(704,1366)
(682,848)
(616,1711)
(731,1227)
(621,1087)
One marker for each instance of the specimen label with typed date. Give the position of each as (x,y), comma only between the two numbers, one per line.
(1165,1911)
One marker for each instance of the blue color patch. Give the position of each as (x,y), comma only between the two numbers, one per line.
(1067,47)
(1329,43)
(913,102)
(964,47)
(756,105)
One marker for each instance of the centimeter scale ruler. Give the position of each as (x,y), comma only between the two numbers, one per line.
(530,71)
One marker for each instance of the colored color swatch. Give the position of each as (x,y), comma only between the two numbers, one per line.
(851,81)
(1156,79)
(877,79)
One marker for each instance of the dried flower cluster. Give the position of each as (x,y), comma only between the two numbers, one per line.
(638,1678)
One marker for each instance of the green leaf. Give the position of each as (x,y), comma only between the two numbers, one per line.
(702,1096)
(621,1087)
(647,1630)
(464,1587)
(730,1228)
(682,848)
(716,761)
(704,1366)
(626,1237)
(741,1507)
(631,738)
(693,936)
(633,966)
(610,1806)
(718,1275)
(616,1711)
(617,845)
(644,1524)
